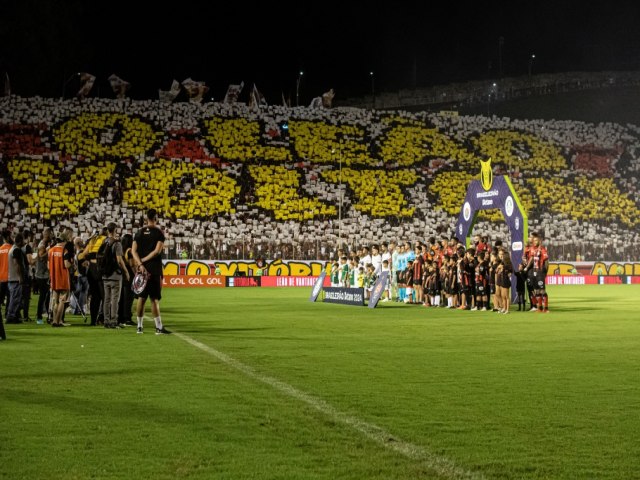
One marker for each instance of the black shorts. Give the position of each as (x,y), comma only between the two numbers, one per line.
(480,290)
(539,280)
(153,290)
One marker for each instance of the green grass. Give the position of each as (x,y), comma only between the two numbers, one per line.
(523,395)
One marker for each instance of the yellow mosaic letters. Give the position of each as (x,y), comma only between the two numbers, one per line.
(150,187)
(39,187)
(277,190)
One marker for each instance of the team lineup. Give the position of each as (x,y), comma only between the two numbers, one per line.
(446,274)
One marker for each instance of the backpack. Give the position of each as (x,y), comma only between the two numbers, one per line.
(107,261)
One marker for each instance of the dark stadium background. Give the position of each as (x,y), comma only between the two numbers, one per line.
(336,44)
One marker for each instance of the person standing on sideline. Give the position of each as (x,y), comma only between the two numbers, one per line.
(42,275)
(112,280)
(539,262)
(27,249)
(60,261)
(147,258)
(18,274)
(7,244)
(126,295)
(4,277)
(94,276)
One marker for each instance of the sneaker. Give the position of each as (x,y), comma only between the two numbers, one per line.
(533,309)
(474,309)
(162,331)
(483,309)
(39,321)
(139,330)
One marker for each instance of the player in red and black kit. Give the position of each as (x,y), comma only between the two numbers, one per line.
(527,262)
(467,280)
(539,263)
(418,267)
(481,284)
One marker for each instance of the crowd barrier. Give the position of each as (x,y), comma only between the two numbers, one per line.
(313,268)
(593,279)
(220,281)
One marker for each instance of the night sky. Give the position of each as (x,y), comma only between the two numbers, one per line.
(337,45)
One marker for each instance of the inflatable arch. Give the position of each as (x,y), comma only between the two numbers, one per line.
(494,192)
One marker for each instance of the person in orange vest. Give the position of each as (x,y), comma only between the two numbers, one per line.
(60,261)
(4,275)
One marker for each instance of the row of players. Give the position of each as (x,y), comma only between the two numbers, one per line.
(446,274)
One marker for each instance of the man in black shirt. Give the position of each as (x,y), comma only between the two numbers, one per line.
(147,257)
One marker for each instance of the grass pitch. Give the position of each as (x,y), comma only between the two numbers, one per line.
(263,384)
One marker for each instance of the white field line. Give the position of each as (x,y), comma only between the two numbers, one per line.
(438,464)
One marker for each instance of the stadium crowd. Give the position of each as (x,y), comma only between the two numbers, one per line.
(230,181)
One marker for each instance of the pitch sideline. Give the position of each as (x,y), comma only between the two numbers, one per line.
(438,464)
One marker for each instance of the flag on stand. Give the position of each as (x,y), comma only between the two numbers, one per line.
(256,100)
(195,90)
(171,94)
(86,84)
(327,98)
(285,102)
(7,85)
(316,102)
(233,92)
(119,86)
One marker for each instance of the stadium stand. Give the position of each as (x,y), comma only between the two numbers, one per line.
(232,181)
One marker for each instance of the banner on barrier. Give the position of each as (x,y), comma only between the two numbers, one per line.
(171,281)
(189,281)
(592,280)
(345,296)
(378,288)
(294,281)
(313,268)
(317,287)
(244,281)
